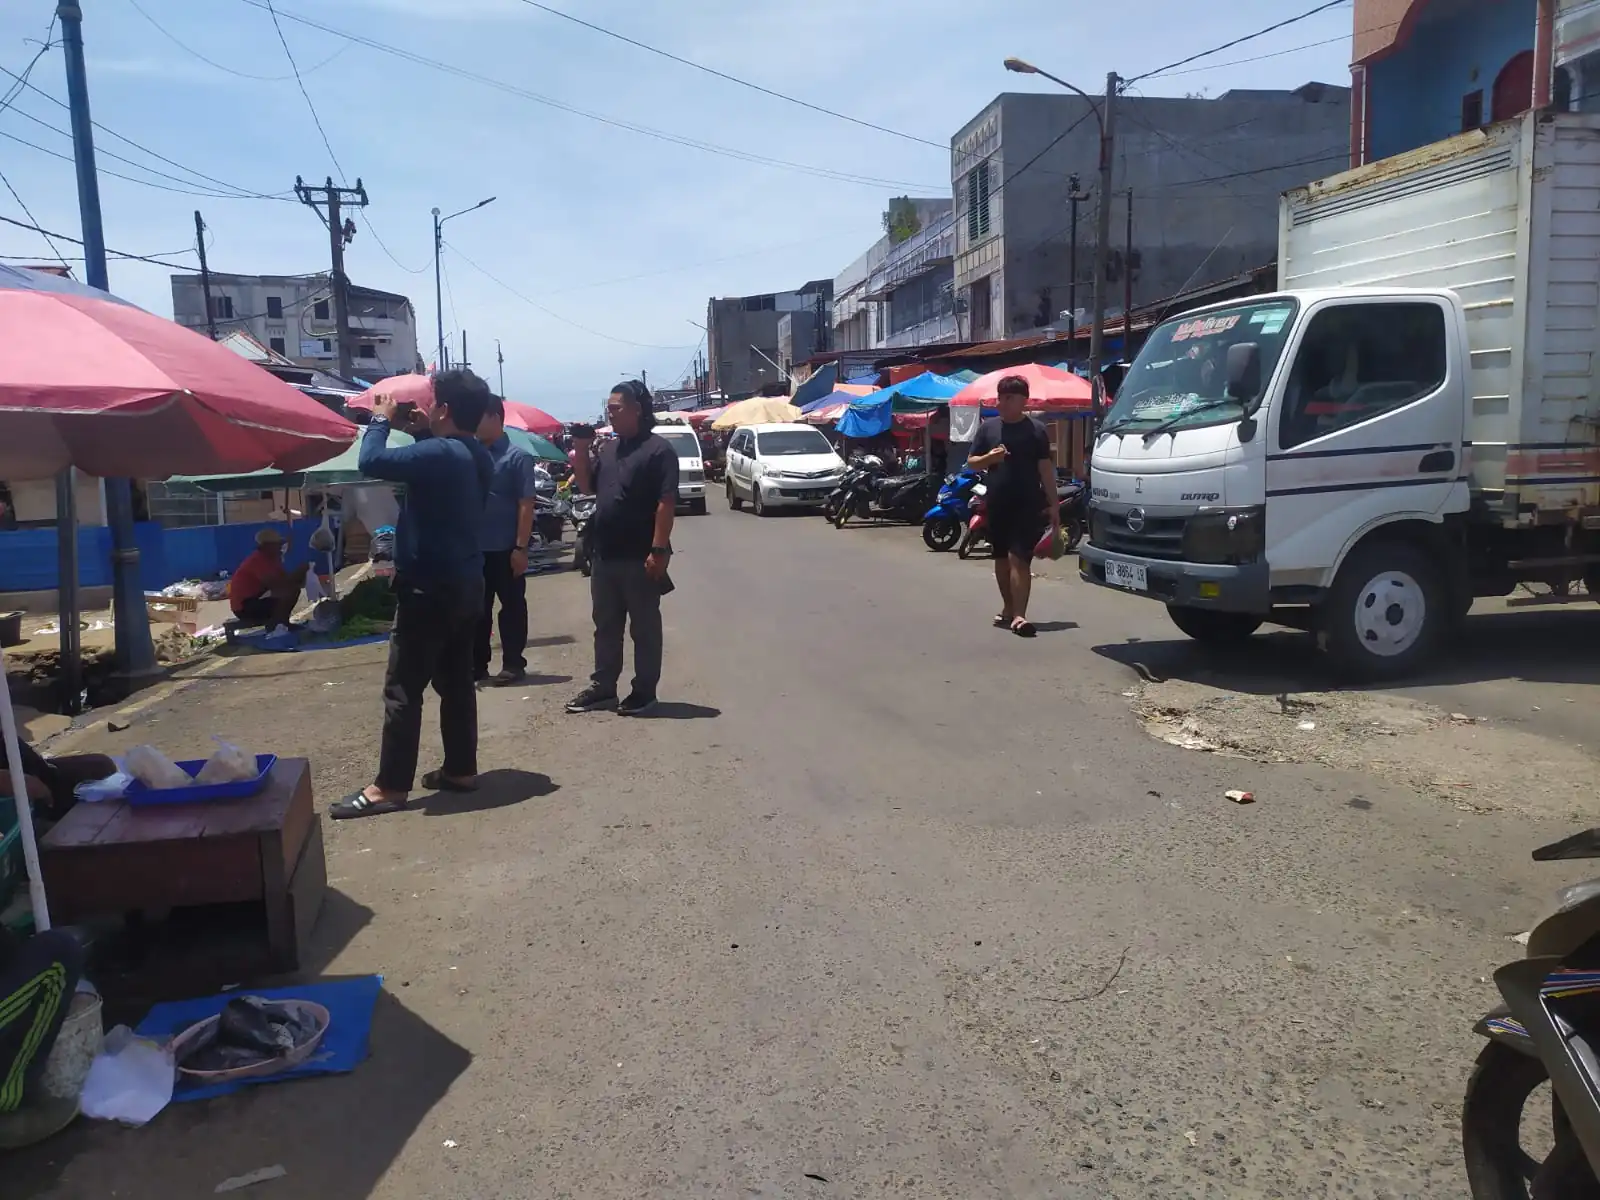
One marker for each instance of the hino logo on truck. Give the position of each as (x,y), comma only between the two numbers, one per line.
(1206,496)
(1135,520)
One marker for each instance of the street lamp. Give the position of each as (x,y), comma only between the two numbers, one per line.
(438,292)
(1105,116)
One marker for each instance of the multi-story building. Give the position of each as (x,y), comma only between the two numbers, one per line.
(899,292)
(1204,175)
(1424,70)
(293,316)
(742,337)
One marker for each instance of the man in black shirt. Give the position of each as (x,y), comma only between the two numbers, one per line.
(1013,450)
(634,479)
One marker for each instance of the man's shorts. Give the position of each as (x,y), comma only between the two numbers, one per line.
(257,610)
(1014,532)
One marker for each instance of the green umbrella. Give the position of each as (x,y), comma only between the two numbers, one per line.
(539,447)
(342,468)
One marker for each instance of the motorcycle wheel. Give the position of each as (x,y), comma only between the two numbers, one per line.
(941,533)
(1492,1117)
(968,544)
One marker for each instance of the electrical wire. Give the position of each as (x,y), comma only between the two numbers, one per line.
(182,191)
(301,83)
(187,49)
(22,204)
(22,80)
(79,241)
(1236,62)
(557,316)
(1239,41)
(755,87)
(389,253)
(629,126)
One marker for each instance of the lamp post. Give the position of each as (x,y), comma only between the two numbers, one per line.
(438,292)
(1105,114)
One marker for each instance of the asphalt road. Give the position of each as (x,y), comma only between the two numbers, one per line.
(885,902)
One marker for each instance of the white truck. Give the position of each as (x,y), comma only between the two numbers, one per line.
(1409,424)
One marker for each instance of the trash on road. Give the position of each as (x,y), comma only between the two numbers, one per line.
(450,1143)
(1308,726)
(1191,1137)
(1239,797)
(275,1171)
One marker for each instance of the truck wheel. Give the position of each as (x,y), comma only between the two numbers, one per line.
(697,508)
(1213,626)
(1385,612)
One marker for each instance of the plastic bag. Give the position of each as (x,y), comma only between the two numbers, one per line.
(228,764)
(113,787)
(154,769)
(1051,545)
(130,1080)
(313,587)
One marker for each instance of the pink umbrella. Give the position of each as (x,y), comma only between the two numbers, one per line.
(116,391)
(704,416)
(418,390)
(1050,389)
(827,414)
(534,420)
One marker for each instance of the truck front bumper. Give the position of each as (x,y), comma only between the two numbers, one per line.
(1243,589)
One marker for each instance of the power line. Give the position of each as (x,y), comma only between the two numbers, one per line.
(1235,62)
(555,315)
(390,254)
(562,106)
(756,87)
(187,49)
(79,241)
(22,80)
(54,249)
(182,191)
(301,83)
(1238,41)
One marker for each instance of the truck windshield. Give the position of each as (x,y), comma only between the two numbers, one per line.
(1180,378)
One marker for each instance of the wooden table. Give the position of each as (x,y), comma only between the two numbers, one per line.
(113,858)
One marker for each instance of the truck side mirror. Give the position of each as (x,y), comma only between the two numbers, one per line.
(1244,373)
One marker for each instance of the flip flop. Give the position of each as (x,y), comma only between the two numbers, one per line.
(439,782)
(1023,628)
(1001,621)
(357,804)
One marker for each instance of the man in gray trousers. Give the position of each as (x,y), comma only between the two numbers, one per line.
(634,479)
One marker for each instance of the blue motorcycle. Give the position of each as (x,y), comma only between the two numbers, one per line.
(943,523)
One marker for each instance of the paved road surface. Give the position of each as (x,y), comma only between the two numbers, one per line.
(889,903)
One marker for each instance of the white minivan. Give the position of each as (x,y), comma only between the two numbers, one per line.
(781,466)
(681,437)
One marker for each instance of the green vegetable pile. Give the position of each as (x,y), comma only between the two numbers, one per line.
(372,599)
(358,627)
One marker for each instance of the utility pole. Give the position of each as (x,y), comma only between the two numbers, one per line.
(205,273)
(135,655)
(1074,195)
(500,360)
(466,363)
(341,230)
(1127,284)
(644,377)
(1102,247)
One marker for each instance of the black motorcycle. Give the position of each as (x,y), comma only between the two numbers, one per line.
(582,513)
(860,468)
(1547,1030)
(1073,496)
(900,498)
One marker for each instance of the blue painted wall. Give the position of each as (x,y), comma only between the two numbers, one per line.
(28,556)
(1417,91)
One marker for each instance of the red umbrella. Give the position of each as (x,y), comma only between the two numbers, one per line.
(116,391)
(534,420)
(418,390)
(1050,389)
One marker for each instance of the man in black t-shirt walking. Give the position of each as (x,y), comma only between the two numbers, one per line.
(634,479)
(1013,450)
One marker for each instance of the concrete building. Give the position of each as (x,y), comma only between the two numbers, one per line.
(1424,70)
(742,337)
(899,292)
(1205,177)
(292,315)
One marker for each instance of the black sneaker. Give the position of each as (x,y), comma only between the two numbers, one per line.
(592,699)
(635,705)
(507,678)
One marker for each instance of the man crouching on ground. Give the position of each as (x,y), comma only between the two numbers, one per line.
(634,480)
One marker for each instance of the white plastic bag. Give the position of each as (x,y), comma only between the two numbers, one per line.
(154,769)
(313,587)
(130,1080)
(228,764)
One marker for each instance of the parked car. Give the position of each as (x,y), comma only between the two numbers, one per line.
(685,443)
(781,466)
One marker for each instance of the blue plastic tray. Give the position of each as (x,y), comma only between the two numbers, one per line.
(139,795)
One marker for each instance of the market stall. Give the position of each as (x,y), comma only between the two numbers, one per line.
(1061,399)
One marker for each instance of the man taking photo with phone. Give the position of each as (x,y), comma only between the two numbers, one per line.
(1013,450)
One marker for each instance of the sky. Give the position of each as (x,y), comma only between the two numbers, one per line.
(608,233)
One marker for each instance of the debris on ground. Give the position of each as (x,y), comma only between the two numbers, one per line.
(238,1182)
(1239,797)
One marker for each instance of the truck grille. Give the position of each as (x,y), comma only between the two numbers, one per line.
(1161,537)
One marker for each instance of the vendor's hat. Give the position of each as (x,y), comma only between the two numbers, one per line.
(268,537)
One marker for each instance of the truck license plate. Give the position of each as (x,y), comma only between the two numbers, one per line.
(1127,575)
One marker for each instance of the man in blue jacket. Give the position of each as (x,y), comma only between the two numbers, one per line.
(438,588)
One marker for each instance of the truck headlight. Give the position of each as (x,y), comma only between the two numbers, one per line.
(1231,536)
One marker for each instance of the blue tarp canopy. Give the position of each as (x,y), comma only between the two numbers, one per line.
(830,398)
(818,385)
(872,415)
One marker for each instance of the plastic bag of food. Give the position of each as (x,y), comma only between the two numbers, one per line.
(154,769)
(228,765)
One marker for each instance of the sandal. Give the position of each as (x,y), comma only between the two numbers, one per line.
(1023,628)
(1001,621)
(358,804)
(440,782)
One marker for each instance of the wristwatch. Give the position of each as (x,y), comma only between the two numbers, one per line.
(663,551)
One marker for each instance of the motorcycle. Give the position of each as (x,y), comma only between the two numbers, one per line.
(582,513)
(943,524)
(1072,498)
(889,497)
(975,536)
(1548,1029)
(859,468)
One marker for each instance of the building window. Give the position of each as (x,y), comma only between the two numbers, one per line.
(1472,111)
(276,345)
(366,350)
(319,310)
(978,203)
(275,308)
(222,308)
